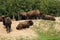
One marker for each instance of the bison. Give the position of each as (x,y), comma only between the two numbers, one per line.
(7,23)
(23,15)
(0,18)
(33,14)
(3,19)
(48,17)
(25,24)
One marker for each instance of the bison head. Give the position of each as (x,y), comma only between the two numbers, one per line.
(30,22)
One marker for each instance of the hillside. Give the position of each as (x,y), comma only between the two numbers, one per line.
(43,26)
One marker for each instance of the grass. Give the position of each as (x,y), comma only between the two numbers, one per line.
(44,36)
(25,38)
(51,33)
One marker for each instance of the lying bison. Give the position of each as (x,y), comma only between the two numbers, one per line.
(33,14)
(23,15)
(48,17)
(24,25)
(7,23)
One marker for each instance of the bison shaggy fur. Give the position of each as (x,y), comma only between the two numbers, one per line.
(25,24)
(33,14)
(23,15)
(0,18)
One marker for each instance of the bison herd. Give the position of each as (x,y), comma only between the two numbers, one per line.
(34,14)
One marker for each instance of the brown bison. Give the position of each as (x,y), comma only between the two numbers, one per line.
(47,17)
(33,14)
(24,25)
(7,23)
(3,19)
(0,18)
(23,15)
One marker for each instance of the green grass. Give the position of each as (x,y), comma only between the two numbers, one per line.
(51,34)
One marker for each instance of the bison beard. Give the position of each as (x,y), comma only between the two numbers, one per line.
(24,25)
(7,23)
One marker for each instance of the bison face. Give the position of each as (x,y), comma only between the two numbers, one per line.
(30,22)
(3,17)
(17,28)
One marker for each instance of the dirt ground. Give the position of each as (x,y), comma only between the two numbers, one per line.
(57,23)
(15,33)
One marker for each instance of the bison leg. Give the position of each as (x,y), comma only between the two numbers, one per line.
(8,28)
(27,18)
(37,18)
(5,27)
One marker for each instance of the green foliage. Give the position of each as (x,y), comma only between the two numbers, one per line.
(10,7)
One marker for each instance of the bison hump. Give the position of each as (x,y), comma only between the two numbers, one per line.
(7,20)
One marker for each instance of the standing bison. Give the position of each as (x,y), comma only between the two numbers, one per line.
(7,23)
(33,14)
(24,25)
(47,17)
(23,15)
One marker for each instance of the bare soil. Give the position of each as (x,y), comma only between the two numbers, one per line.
(16,33)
